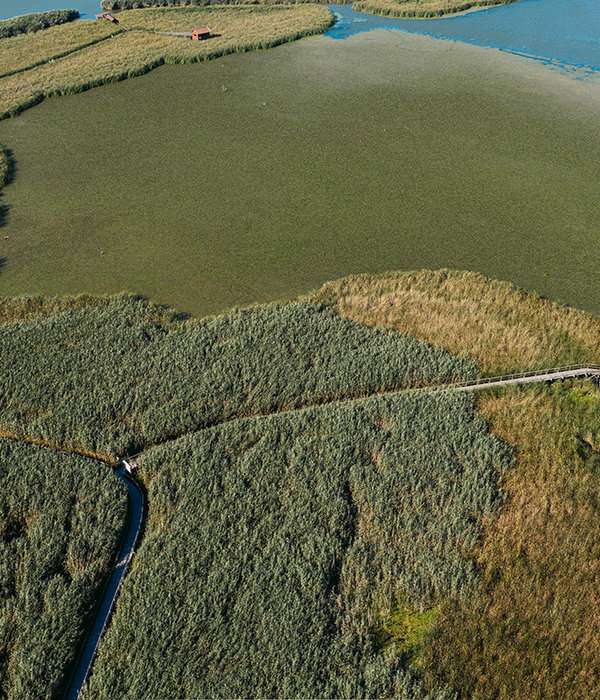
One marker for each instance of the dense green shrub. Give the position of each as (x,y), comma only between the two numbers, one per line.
(60,520)
(5,166)
(112,378)
(35,21)
(273,544)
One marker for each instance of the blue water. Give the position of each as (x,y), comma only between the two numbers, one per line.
(11,8)
(562,31)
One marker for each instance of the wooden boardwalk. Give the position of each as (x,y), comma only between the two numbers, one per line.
(542,375)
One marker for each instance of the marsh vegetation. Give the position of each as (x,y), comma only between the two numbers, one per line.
(61,517)
(307,528)
(71,379)
(35,21)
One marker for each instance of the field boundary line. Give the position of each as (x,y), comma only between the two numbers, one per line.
(62,55)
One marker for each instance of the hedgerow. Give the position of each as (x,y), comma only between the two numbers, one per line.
(35,21)
(273,545)
(60,520)
(121,375)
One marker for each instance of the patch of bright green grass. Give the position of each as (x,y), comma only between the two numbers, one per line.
(404,630)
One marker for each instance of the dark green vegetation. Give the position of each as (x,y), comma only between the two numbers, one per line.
(273,542)
(35,21)
(114,377)
(400,153)
(5,166)
(60,520)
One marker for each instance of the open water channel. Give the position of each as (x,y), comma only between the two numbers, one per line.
(553,30)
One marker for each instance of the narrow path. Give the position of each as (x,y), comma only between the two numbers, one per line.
(112,587)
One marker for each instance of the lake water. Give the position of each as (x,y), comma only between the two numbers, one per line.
(561,31)
(10,8)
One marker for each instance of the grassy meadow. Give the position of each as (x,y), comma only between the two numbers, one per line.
(533,632)
(75,58)
(61,518)
(18,53)
(228,187)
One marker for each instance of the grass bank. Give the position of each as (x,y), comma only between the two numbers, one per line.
(236,30)
(35,21)
(503,328)
(422,8)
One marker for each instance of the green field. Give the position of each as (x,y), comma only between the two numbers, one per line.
(319,159)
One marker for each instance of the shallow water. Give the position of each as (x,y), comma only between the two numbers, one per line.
(554,30)
(11,8)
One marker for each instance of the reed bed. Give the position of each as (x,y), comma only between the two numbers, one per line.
(500,326)
(134,53)
(123,374)
(395,8)
(35,21)
(25,51)
(60,524)
(422,8)
(271,542)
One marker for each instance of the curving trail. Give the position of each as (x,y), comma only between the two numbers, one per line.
(112,587)
(87,655)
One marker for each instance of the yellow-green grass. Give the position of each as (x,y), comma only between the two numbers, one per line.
(534,632)
(237,29)
(24,51)
(502,327)
(422,8)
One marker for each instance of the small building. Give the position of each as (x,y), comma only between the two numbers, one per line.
(201,33)
(108,16)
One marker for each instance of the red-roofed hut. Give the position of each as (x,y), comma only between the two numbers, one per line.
(200,33)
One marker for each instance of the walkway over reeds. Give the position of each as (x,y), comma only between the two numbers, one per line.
(541,375)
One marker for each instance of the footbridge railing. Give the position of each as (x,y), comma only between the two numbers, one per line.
(541,375)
